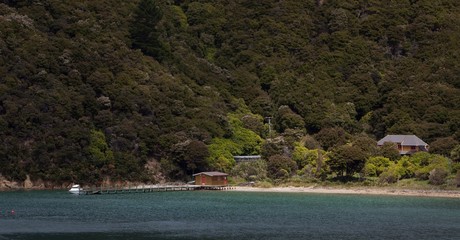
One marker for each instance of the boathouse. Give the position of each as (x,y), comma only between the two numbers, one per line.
(406,144)
(211,179)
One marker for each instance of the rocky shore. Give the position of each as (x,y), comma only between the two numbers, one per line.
(28,184)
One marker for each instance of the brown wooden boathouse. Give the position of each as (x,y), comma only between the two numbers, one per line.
(211,179)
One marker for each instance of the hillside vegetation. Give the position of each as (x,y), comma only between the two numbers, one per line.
(156,90)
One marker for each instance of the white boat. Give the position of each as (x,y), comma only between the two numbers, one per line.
(76,189)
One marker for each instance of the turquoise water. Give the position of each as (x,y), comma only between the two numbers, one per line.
(225,215)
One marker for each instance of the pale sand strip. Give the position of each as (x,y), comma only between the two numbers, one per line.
(369,191)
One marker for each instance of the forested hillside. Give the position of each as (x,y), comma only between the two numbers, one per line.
(155,90)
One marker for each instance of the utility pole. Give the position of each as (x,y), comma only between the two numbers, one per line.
(269,126)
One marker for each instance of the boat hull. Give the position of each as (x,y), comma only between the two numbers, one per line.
(76,189)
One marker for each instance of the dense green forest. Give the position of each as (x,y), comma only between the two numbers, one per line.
(156,90)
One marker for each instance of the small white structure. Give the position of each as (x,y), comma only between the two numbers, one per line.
(76,189)
(250,158)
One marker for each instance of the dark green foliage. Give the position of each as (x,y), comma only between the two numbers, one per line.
(78,105)
(190,156)
(346,160)
(443,146)
(287,119)
(331,137)
(389,150)
(367,145)
(144,30)
(78,82)
(272,147)
(280,167)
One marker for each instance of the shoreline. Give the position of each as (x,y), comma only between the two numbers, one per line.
(357,190)
(354,191)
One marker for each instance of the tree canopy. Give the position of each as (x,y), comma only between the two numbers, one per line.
(101,89)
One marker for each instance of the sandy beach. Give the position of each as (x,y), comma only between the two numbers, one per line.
(371,191)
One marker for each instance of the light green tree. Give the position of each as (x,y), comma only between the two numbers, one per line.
(241,142)
(101,154)
(376,165)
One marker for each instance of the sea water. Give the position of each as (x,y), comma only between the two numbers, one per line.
(225,215)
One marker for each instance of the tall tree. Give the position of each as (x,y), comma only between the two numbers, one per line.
(144,32)
(347,159)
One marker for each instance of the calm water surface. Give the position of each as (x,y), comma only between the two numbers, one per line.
(225,215)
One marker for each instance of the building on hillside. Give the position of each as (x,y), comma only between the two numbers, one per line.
(211,179)
(407,144)
(249,158)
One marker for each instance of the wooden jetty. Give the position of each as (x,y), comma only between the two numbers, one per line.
(150,188)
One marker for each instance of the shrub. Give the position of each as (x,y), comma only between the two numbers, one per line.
(407,167)
(420,164)
(457,178)
(391,175)
(280,167)
(370,170)
(438,176)
(422,173)
(455,154)
(374,166)
(251,171)
(455,167)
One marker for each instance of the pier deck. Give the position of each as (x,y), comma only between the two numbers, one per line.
(150,188)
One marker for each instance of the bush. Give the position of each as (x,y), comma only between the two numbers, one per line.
(455,167)
(391,175)
(304,156)
(370,170)
(374,166)
(420,164)
(422,173)
(251,171)
(280,167)
(438,176)
(457,178)
(347,159)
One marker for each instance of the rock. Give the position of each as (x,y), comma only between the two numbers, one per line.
(28,183)
(10,184)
